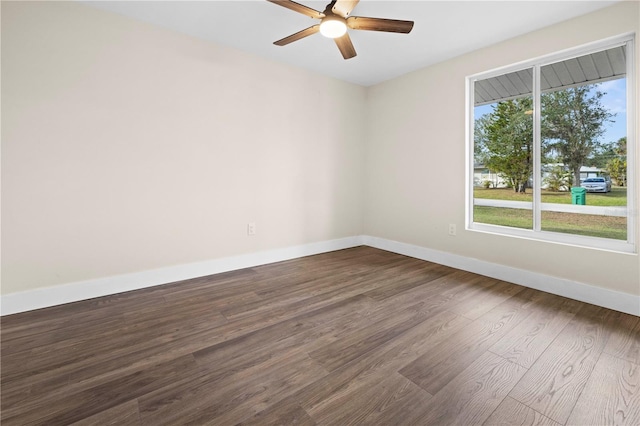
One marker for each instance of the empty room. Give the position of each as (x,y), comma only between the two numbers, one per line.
(213,213)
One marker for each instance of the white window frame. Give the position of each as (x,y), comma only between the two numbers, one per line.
(536,233)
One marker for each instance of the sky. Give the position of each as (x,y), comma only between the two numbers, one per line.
(614,100)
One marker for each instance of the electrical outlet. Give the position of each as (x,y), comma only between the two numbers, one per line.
(452,229)
(251,229)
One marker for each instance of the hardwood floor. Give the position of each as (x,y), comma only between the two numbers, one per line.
(358,336)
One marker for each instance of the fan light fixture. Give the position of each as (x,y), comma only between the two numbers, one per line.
(333,28)
(334,22)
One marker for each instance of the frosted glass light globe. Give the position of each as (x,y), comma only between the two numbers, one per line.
(333,28)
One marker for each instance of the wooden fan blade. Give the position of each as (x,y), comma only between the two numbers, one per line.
(297,36)
(300,8)
(345,46)
(379,24)
(344,7)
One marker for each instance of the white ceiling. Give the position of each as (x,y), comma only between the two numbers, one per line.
(442,30)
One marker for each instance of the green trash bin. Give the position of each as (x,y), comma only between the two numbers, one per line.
(578,195)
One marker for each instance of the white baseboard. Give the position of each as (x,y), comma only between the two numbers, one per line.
(51,296)
(616,300)
(13,303)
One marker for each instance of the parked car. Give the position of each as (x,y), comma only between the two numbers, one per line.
(596,184)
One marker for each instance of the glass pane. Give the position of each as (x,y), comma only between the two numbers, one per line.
(503,150)
(583,129)
(586,224)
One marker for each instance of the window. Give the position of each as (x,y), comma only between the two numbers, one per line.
(551,148)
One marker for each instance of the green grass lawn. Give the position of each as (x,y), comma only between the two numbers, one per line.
(617,196)
(515,218)
(569,223)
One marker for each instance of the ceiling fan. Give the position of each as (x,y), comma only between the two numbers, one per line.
(334,22)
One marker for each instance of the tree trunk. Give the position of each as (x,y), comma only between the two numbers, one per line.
(576,177)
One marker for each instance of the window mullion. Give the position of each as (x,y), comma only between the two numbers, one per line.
(537,146)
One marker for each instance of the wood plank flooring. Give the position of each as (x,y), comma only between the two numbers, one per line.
(357,336)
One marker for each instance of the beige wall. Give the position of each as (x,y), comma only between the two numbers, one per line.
(127,147)
(415,184)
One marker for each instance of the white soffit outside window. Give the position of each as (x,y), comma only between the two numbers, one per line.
(588,69)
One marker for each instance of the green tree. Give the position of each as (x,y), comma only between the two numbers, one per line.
(572,122)
(504,141)
(602,155)
(480,153)
(617,166)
